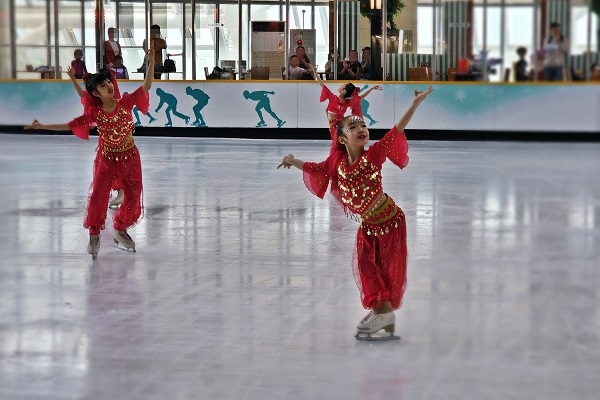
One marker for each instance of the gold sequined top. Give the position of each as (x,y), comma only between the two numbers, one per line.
(115,129)
(360,184)
(357,187)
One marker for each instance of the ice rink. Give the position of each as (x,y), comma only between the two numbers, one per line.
(241,286)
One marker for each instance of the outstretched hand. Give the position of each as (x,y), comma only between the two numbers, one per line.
(34,125)
(285,163)
(71,72)
(420,95)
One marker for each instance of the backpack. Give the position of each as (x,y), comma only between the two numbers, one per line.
(169,65)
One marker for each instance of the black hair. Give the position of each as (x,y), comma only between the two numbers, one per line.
(350,88)
(556,25)
(93,80)
(521,50)
(293,56)
(120,57)
(155,27)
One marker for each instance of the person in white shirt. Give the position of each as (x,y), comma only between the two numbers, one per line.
(293,70)
(556,48)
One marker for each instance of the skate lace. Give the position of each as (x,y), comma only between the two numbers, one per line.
(372,318)
(366,318)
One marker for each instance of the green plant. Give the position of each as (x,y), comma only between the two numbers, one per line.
(393,7)
(595,6)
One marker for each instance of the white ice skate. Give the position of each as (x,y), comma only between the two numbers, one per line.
(94,246)
(373,323)
(123,238)
(116,201)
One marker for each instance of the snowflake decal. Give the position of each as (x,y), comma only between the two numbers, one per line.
(460,95)
(51,89)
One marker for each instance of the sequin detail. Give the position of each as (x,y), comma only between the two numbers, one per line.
(382,220)
(360,184)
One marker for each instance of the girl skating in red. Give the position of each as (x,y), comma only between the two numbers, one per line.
(379,262)
(88,100)
(118,158)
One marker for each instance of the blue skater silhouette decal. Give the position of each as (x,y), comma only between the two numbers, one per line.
(263,103)
(136,113)
(171,101)
(364,105)
(202,100)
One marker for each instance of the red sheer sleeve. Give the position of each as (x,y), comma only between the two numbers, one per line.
(393,146)
(355,106)
(80,126)
(317,176)
(326,94)
(137,98)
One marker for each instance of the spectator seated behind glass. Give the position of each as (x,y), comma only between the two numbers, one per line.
(365,66)
(303,61)
(120,70)
(294,71)
(78,64)
(349,68)
(521,66)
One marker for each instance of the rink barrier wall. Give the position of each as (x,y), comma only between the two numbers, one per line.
(231,109)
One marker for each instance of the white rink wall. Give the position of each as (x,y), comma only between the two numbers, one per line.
(468,106)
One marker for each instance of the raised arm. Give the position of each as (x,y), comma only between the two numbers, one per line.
(71,73)
(316,76)
(289,161)
(419,97)
(150,56)
(369,90)
(50,127)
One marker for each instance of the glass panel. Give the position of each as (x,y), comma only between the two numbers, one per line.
(205,39)
(579,30)
(425,30)
(489,46)
(31,24)
(519,31)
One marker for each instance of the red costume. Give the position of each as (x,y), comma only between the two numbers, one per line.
(111,49)
(339,109)
(117,159)
(379,262)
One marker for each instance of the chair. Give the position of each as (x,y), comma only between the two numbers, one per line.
(206,73)
(419,74)
(259,73)
(452,74)
(507,72)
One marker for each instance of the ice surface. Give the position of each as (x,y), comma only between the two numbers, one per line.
(241,285)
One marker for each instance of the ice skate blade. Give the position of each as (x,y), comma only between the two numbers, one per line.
(94,256)
(368,337)
(119,246)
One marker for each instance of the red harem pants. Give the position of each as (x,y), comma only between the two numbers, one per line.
(379,262)
(124,167)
